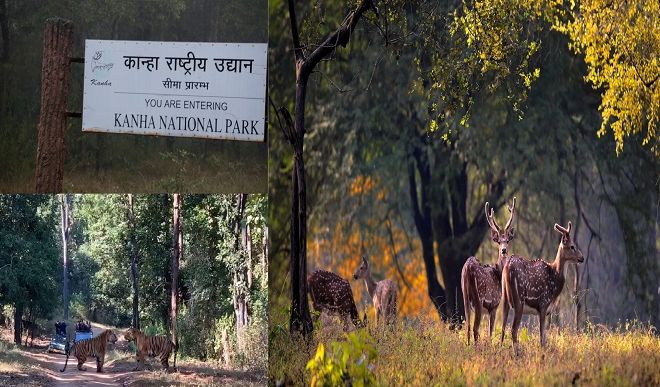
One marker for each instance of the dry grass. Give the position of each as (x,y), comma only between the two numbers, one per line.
(428,353)
(17,369)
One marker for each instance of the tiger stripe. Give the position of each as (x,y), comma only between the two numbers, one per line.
(94,347)
(152,346)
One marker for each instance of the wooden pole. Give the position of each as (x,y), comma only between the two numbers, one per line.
(58,43)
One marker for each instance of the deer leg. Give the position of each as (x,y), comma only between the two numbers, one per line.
(542,327)
(505,316)
(491,323)
(467,321)
(379,316)
(477,322)
(517,316)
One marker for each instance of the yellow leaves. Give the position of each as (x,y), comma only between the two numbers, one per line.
(361,185)
(338,248)
(524,337)
(529,78)
(620,42)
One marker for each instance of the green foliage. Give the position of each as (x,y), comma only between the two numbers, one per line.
(106,228)
(100,266)
(348,361)
(489,95)
(29,253)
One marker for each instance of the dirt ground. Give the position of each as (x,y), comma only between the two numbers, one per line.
(34,366)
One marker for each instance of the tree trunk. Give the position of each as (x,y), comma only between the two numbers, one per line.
(4,32)
(18,323)
(177,252)
(226,348)
(578,221)
(166,206)
(300,319)
(134,263)
(58,42)
(240,275)
(65,203)
(452,258)
(264,258)
(422,216)
(248,251)
(27,327)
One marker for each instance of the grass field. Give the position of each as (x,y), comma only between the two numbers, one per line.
(428,353)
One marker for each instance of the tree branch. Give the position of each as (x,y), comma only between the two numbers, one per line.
(338,38)
(297,48)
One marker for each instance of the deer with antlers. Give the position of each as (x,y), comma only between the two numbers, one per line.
(383,293)
(481,284)
(535,285)
(332,294)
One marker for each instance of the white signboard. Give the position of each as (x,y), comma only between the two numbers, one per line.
(209,90)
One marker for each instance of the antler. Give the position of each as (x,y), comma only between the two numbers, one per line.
(491,219)
(565,231)
(512,210)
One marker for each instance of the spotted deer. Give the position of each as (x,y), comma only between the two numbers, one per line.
(533,286)
(481,284)
(332,294)
(383,293)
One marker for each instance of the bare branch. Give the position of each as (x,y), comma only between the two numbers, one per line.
(338,38)
(297,48)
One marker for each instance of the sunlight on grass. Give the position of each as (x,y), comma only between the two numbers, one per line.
(12,361)
(428,353)
(9,367)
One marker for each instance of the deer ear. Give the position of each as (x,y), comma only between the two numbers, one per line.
(495,236)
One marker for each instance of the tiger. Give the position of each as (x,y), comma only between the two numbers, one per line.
(160,346)
(91,347)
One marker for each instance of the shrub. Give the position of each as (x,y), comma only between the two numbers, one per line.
(347,361)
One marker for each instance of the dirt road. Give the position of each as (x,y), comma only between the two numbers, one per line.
(53,362)
(43,369)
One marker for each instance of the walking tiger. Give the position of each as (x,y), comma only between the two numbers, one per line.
(94,347)
(160,346)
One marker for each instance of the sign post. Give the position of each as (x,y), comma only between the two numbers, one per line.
(204,90)
(58,43)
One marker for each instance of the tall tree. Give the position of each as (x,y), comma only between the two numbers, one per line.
(28,256)
(301,320)
(134,262)
(177,253)
(66,222)
(241,272)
